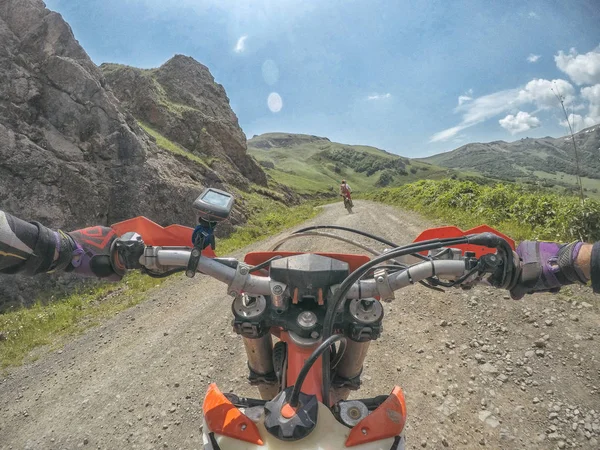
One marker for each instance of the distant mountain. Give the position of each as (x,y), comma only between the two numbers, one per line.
(313,164)
(549,159)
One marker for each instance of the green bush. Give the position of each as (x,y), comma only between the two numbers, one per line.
(520,212)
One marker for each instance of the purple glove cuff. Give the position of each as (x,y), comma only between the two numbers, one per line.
(77,255)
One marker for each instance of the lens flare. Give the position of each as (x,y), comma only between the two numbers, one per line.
(274,102)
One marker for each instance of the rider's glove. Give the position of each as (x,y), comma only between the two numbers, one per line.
(546,267)
(89,252)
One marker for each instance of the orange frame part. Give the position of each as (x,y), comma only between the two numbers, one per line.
(157,236)
(451,231)
(296,357)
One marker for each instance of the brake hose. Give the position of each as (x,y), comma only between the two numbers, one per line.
(345,286)
(294,398)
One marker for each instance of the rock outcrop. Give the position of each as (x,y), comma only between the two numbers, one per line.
(71,156)
(181,101)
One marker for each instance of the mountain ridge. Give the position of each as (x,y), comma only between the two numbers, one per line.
(547,158)
(315,165)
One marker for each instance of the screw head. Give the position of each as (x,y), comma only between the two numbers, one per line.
(277,289)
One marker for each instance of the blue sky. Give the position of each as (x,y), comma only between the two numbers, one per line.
(412,77)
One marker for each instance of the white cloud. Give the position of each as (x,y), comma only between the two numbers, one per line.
(579,122)
(379,96)
(444,135)
(523,121)
(487,106)
(533,58)
(533,15)
(592,95)
(582,69)
(463,99)
(537,93)
(240,46)
(543,93)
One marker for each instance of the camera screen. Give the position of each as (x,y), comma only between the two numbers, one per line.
(214,198)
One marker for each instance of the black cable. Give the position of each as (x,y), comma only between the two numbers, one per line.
(264,264)
(345,286)
(164,274)
(339,354)
(294,398)
(351,230)
(375,238)
(362,233)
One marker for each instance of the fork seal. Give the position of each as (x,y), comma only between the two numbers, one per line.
(595,268)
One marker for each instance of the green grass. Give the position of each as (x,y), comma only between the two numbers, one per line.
(26,329)
(46,324)
(170,146)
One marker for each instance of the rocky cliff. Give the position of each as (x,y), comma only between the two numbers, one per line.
(71,156)
(181,101)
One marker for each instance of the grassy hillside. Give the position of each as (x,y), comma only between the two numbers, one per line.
(312,164)
(547,161)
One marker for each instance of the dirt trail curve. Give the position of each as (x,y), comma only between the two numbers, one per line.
(478,369)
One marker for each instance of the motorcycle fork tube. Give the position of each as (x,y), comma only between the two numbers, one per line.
(350,366)
(259,352)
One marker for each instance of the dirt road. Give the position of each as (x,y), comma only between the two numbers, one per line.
(479,370)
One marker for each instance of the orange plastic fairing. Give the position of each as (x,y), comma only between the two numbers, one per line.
(385,422)
(222,417)
(450,231)
(155,235)
(354,261)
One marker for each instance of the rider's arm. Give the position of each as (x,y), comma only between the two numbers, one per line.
(32,248)
(584,259)
(547,266)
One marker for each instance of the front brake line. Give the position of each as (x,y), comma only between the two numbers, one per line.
(345,286)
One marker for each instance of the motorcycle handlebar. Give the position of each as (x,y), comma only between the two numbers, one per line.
(240,280)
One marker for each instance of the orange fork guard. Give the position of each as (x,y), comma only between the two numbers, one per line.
(451,231)
(155,235)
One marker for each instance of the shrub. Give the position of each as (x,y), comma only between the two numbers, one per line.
(523,212)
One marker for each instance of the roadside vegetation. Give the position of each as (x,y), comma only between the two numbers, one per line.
(518,211)
(46,323)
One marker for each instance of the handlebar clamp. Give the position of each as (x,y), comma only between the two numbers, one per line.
(386,293)
(242,274)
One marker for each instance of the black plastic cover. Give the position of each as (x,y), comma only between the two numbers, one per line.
(309,272)
(297,427)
